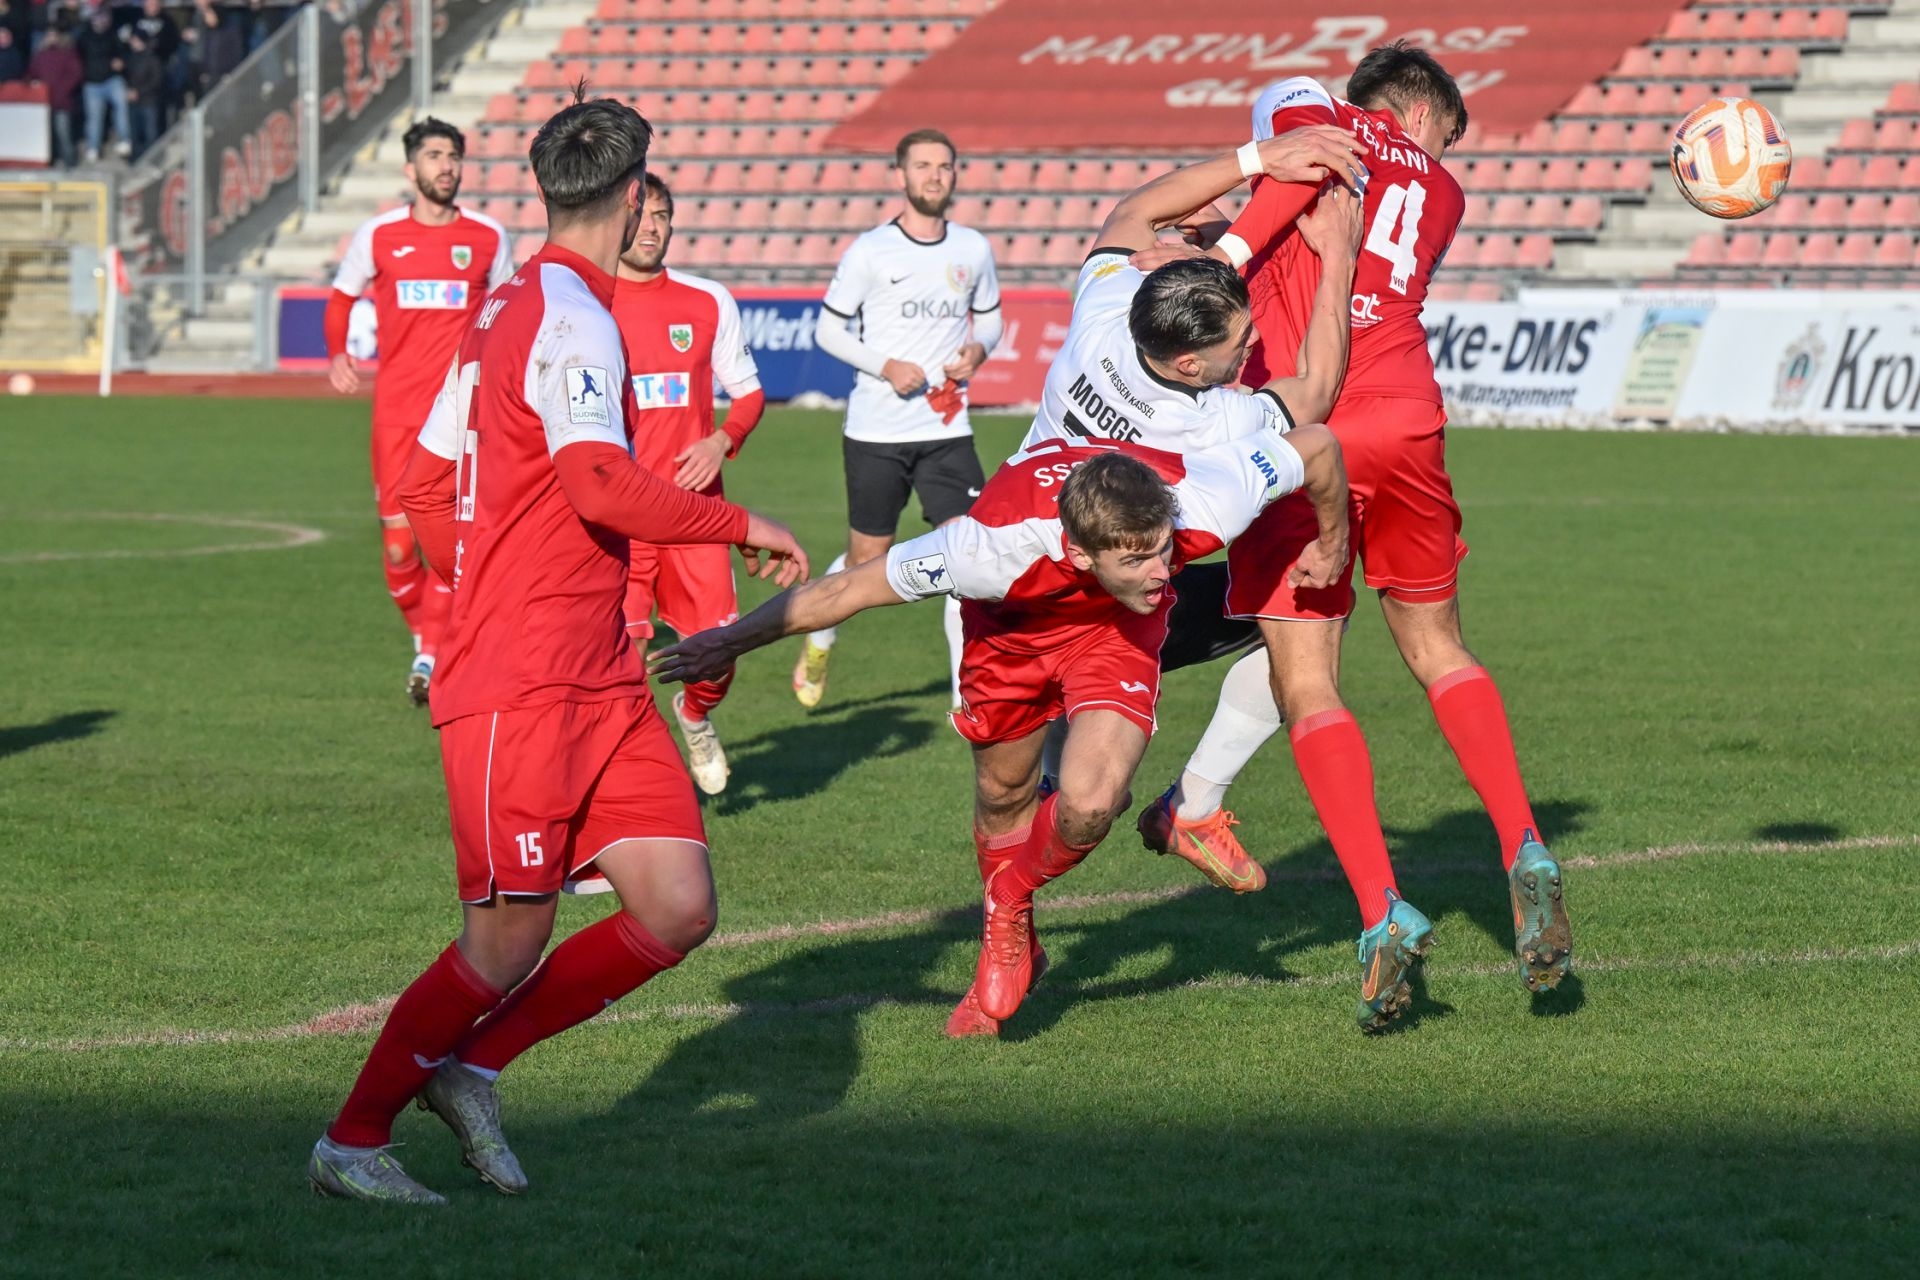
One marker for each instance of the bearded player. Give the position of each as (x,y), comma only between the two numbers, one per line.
(682,333)
(1063,569)
(1391,423)
(429,265)
(560,773)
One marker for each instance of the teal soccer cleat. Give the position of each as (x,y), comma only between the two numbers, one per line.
(1388,952)
(1542,937)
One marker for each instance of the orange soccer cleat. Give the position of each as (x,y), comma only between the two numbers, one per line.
(968,1019)
(1208,843)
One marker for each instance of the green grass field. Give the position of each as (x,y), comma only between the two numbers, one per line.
(220,822)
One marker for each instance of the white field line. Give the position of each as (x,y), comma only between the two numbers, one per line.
(356,1019)
(282,537)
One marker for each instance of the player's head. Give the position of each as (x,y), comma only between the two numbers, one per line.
(434,151)
(923,161)
(1192,319)
(1411,83)
(1118,515)
(590,162)
(648,252)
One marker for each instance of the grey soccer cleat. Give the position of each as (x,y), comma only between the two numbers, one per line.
(471,1107)
(706,761)
(363,1173)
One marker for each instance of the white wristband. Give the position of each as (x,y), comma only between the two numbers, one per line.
(1249,157)
(1236,249)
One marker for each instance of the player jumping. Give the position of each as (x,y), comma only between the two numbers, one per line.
(682,332)
(1392,425)
(1063,566)
(915,308)
(430,264)
(559,771)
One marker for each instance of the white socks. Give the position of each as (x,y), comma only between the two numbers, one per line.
(954,643)
(824,639)
(1244,719)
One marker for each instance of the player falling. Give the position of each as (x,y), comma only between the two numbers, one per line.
(1391,423)
(1063,568)
(914,307)
(429,264)
(682,333)
(559,771)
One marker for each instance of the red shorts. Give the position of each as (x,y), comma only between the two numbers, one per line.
(1006,694)
(392,449)
(1405,525)
(537,794)
(692,586)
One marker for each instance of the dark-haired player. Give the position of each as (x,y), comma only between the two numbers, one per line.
(1391,425)
(560,773)
(1063,569)
(428,264)
(683,334)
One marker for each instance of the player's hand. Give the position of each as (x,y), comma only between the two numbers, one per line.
(965,363)
(1319,565)
(705,655)
(341,373)
(1332,226)
(771,551)
(905,378)
(700,461)
(1315,153)
(1204,226)
(1150,260)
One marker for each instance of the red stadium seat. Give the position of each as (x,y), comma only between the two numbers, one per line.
(1744,250)
(1052,175)
(1598,175)
(1821,249)
(1560,175)
(1782,65)
(1720,24)
(1004,212)
(1904,211)
(1828,211)
(1904,99)
(1584,213)
(1686,25)
(1846,173)
(1534,253)
(1858,135)
(1810,173)
(1479,212)
(1484,291)
(1830,27)
(1882,173)
(1910,173)
(1783,250)
(1636,63)
(1897,135)
(1709,249)
(1867,211)
(1609,137)
(1509,213)
(1590,100)
(1496,251)
(1857,248)
(1757,25)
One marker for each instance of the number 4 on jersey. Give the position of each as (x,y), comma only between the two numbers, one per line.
(1402,205)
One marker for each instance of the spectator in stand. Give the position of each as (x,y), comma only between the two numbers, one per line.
(146,79)
(103,61)
(162,34)
(57,66)
(13,63)
(16,18)
(263,20)
(220,44)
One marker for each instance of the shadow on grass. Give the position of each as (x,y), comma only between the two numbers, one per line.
(1798,832)
(75,724)
(803,759)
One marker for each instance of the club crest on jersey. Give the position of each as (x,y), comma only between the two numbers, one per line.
(462,256)
(661,390)
(681,336)
(958,277)
(1106,269)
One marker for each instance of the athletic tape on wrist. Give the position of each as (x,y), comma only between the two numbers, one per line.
(1249,157)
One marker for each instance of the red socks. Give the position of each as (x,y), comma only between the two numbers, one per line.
(579,978)
(1332,758)
(1043,856)
(1468,707)
(435,610)
(990,851)
(427,1021)
(703,696)
(424,601)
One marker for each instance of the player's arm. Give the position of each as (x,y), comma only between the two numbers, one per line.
(1273,207)
(1332,230)
(824,602)
(846,294)
(987,326)
(349,282)
(1306,156)
(1325,484)
(428,488)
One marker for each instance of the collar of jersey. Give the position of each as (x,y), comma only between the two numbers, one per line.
(598,282)
(1140,358)
(654,285)
(894,222)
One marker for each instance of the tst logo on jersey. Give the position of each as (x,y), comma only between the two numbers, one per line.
(587,396)
(661,390)
(431,295)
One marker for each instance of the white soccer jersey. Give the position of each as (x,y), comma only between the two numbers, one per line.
(912,300)
(1099,388)
(1012,546)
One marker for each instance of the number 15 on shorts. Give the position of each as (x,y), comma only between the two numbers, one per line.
(531,855)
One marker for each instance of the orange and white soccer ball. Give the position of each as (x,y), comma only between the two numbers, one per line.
(1731,158)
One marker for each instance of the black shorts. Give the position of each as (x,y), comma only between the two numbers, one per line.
(945,473)
(1198,629)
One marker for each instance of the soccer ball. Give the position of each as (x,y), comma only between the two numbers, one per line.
(1731,158)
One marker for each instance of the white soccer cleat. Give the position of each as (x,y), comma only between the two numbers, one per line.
(469,1104)
(420,679)
(363,1173)
(705,760)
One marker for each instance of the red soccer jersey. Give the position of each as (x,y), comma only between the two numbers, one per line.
(1009,551)
(537,591)
(681,333)
(1412,208)
(427,282)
